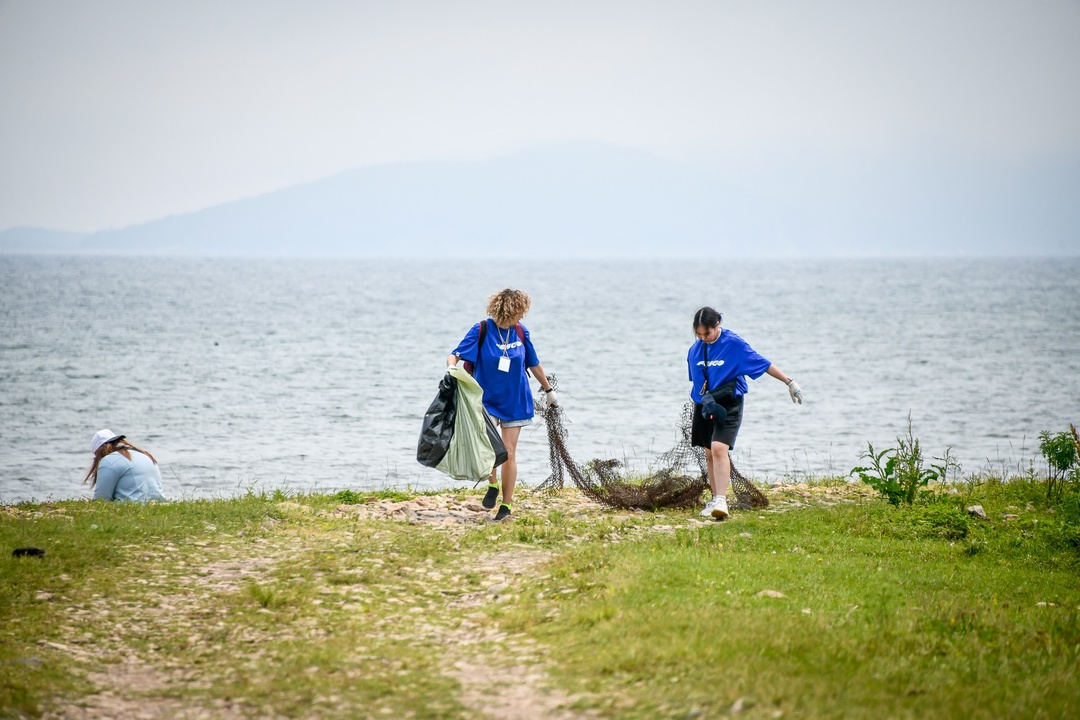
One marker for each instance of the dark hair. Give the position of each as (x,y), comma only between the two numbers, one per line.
(707,317)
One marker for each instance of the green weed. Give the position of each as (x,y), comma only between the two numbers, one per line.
(899,473)
(1062,453)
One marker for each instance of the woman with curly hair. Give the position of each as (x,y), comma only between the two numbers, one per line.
(122,471)
(498,352)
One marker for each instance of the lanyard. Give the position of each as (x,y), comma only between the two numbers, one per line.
(705,384)
(505,341)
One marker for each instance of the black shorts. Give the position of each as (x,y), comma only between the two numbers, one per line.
(703,433)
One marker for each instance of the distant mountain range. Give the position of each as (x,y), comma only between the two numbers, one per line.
(592,200)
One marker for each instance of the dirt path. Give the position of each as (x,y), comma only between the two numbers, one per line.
(137,683)
(499,675)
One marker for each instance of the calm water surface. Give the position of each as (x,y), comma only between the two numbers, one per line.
(315,374)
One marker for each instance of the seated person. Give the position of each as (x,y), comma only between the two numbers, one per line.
(122,471)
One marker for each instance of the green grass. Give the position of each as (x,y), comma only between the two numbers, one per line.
(274,640)
(880,617)
(278,605)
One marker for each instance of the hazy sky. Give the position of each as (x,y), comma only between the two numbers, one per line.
(113,113)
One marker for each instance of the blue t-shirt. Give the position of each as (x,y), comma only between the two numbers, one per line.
(506,394)
(121,479)
(729,357)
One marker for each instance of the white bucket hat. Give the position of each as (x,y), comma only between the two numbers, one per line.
(104,436)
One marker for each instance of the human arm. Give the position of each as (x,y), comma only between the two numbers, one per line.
(108,475)
(793,387)
(468,349)
(549,392)
(538,373)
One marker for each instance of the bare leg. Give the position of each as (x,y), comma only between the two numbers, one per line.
(509,468)
(719,469)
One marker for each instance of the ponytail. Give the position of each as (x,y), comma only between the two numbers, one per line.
(707,317)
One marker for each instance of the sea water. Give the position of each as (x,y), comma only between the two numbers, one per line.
(241,374)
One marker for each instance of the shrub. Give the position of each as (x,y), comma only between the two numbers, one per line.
(898,473)
(940,520)
(1061,452)
(348,497)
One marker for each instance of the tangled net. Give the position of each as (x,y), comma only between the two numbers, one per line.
(668,486)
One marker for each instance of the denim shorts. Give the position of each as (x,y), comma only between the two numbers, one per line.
(511,423)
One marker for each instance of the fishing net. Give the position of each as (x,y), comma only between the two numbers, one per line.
(670,483)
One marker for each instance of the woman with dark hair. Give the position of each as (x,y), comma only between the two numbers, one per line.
(498,352)
(719,363)
(122,471)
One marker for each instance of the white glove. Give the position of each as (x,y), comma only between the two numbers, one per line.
(795,391)
(550,399)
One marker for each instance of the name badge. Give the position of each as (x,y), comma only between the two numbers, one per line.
(504,364)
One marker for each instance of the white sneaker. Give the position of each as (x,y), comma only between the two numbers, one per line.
(707,511)
(719,507)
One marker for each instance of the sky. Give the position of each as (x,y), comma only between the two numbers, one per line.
(119,112)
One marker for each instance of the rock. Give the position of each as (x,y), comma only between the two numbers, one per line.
(976,511)
(1009,516)
(745,535)
(736,707)
(770,594)
(498,588)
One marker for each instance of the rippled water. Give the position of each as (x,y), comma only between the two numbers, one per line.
(315,374)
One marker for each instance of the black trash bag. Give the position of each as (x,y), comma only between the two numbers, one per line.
(438,428)
(495,437)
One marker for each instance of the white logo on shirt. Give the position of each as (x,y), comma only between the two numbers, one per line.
(510,346)
(712,363)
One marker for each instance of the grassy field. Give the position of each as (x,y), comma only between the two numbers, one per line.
(830,603)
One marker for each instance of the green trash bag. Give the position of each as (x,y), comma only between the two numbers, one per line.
(476,447)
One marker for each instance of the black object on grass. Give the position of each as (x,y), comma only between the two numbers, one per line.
(28,552)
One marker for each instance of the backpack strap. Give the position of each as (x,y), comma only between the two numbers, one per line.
(470,367)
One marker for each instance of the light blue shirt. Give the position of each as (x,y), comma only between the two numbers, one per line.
(121,479)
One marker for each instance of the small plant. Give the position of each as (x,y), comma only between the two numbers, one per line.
(349,497)
(941,520)
(898,473)
(1061,452)
(265,596)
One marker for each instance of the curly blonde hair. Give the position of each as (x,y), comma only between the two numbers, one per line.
(508,306)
